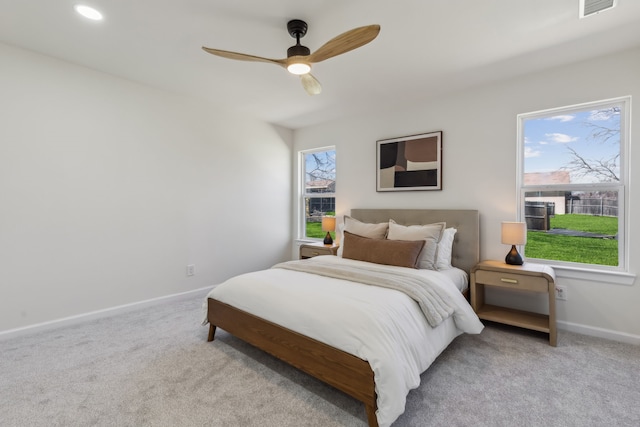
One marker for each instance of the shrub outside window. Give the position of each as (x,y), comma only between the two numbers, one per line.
(573,183)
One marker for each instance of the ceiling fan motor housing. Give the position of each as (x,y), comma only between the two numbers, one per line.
(297,29)
(298,50)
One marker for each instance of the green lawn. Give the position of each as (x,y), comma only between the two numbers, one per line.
(594,224)
(314,229)
(586,250)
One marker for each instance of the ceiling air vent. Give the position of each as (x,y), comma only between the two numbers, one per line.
(593,7)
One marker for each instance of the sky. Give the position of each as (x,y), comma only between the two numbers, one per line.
(548,140)
(327,171)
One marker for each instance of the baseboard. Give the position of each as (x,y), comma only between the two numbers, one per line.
(599,332)
(66,321)
(98,314)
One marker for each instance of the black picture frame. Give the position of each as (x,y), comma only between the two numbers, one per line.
(409,163)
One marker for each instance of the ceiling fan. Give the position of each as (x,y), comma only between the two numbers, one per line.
(299,58)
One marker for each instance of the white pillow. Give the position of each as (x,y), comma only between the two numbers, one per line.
(445,246)
(372,231)
(431,233)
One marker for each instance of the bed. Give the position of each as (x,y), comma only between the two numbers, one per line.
(375,358)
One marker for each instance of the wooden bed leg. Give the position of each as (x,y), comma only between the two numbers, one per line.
(371,415)
(212,332)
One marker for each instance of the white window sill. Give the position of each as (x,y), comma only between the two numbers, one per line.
(306,240)
(604,276)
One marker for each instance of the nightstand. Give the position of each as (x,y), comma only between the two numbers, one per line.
(309,250)
(529,277)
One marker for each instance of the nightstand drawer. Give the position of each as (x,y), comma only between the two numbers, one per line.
(513,281)
(309,252)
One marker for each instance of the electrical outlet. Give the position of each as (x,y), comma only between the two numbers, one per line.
(191,270)
(561,292)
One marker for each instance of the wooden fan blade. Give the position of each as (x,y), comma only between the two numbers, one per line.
(345,42)
(310,84)
(243,56)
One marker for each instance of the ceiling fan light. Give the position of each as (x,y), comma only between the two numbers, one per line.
(298,68)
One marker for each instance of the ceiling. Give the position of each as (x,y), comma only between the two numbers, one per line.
(425,49)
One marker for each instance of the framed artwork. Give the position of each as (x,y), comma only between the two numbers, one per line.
(410,163)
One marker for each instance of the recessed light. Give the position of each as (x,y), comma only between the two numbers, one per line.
(88,12)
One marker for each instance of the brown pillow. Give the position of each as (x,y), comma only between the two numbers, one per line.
(401,253)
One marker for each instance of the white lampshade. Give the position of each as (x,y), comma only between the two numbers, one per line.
(328,223)
(514,233)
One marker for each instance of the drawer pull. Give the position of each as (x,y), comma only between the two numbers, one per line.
(315,253)
(514,281)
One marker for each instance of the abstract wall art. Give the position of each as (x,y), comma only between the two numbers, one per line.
(410,163)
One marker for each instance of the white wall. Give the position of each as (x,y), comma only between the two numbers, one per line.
(479,162)
(108,189)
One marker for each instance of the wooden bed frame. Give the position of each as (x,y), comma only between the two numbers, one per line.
(335,367)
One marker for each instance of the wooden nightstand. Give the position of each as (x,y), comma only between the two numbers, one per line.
(309,250)
(527,277)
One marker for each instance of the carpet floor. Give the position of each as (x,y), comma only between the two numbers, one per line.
(154,367)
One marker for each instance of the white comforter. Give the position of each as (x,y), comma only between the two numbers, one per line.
(382,326)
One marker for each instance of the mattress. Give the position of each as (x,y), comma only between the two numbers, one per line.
(459,277)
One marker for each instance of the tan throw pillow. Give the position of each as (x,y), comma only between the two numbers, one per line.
(364,229)
(381,251)
(430,233)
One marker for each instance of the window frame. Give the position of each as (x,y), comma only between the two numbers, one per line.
(574,269)
(302,171)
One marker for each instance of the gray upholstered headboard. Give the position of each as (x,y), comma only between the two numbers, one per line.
(466,246)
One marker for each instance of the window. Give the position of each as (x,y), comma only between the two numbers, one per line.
(573,183)
(318,190)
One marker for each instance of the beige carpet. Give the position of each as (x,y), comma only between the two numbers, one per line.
(153,367)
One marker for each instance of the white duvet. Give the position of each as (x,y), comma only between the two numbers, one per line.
(382,326)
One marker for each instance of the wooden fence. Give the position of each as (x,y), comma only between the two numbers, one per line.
(538,214)
(593,206)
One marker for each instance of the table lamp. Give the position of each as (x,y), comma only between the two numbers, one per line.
(328,225)
(514,233)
